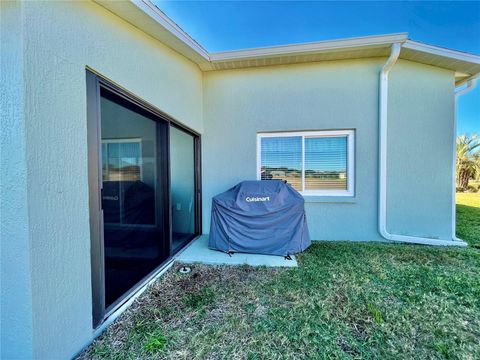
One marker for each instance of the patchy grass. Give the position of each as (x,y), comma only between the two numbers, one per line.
(468,218)
(155,342)
(346,300)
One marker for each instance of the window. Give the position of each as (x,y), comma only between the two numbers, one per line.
(121,173)
(122,159)
(313,162)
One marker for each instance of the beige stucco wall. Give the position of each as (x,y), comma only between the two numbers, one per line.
(312,96)
(60,40)
(15,285)
(341,95)
(421,111)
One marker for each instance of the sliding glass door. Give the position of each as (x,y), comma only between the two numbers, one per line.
(182,170)
(134,179)
(144,192)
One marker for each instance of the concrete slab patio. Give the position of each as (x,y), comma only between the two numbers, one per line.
(198,252)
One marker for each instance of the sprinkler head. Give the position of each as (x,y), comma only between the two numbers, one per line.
(185,270)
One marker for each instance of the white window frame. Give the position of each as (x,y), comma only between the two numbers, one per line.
(349,134)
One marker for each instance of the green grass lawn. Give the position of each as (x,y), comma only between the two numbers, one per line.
(345,301)
(468,218)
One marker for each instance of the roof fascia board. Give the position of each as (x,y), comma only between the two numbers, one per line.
(154,12)
(313,47)
(439,51)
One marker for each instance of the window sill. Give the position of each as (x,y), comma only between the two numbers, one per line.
(330,199)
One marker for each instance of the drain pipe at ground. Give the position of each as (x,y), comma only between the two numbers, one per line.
(382,188)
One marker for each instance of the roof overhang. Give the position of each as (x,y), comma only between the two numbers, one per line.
(352,48)
(149,18)
(464,64)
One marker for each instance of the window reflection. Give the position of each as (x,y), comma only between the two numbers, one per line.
(133,204)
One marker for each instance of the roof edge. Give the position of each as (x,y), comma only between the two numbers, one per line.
(317,46)
(147,17)
(153,11)
(441,51)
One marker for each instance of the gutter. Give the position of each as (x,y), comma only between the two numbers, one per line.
(471,83)
(383,126)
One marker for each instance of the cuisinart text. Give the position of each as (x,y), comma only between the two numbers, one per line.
(257,198)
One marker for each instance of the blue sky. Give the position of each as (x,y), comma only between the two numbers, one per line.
(231,25)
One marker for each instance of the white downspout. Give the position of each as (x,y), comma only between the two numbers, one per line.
(383,126)
(471,83)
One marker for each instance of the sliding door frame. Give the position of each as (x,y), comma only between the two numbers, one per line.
(95,82)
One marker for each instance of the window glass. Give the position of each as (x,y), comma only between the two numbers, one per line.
(182,174)
(326,163)
(122,160)
(282,159)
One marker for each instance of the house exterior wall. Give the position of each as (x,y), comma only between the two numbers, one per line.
(340,95)
(315,96)
(15,297)
(49,144)
(421,110)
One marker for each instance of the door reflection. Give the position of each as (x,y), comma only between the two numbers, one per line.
(133,200)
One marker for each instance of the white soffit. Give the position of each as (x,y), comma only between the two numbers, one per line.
(370,46)
(149,18)
(464,64)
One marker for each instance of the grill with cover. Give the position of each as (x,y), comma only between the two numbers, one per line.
(264,217)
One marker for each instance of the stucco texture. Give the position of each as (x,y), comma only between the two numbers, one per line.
(318,96)
(15,284)
(60,40)
(421,110)
(340,95)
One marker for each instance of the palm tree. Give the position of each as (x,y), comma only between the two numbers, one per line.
(468,159)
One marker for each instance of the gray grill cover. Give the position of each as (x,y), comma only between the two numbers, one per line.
(264,217)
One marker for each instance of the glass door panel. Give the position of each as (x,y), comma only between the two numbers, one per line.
(182,184)
(133,146)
